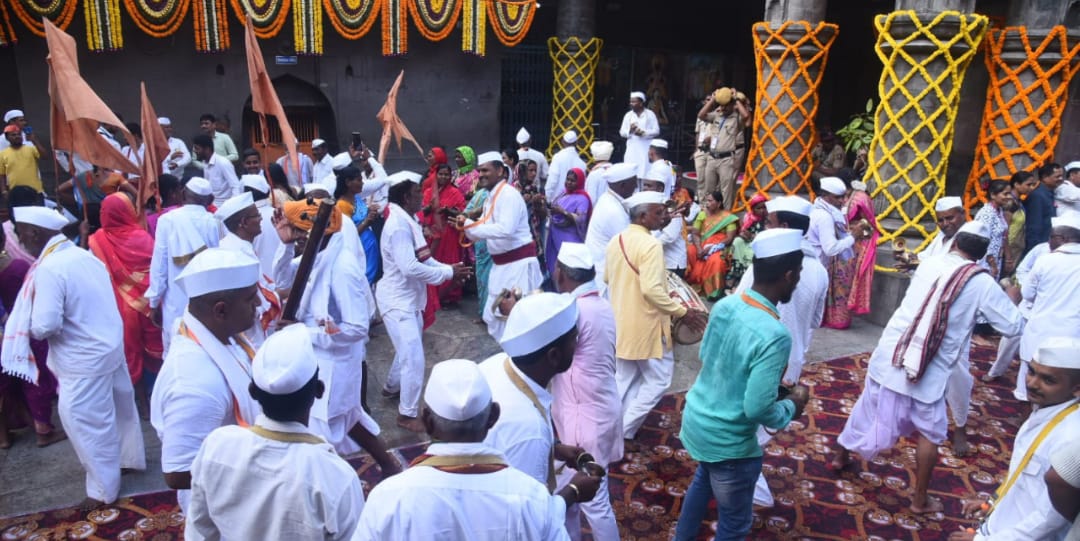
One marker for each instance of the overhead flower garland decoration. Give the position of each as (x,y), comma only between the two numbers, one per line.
(7,33)
(30,12)
(267,16)
(395,40)
(157,18)
(352,18)
(435,19)
(211,26)
(474,29)
(511,19)
(103,25)
(308,26)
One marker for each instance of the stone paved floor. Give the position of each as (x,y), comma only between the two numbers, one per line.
(33,479)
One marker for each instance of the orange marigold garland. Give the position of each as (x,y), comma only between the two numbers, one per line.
(394,30)
(30,12)
(511,20)
(157,18)
(307,27)
(267,16)
(7,33)
(211,26)
(435,19)
(103,25)
(352,18)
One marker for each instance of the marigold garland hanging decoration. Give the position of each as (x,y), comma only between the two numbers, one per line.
(435,19)
(511,19)
(267,16)
(395,40)
(30,12)
(352,19)
(308,27)
(474,27)
(103,25)
(211,26)
(157,18)
(7,33)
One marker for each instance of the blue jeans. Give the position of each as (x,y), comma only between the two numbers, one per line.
(731,482)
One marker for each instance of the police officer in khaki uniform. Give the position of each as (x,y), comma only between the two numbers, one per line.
(730,117)
(705,132)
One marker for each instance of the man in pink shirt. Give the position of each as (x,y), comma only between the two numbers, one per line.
(586,410)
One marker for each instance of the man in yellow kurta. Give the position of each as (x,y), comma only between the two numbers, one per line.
(637,284)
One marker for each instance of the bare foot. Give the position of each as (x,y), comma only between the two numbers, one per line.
(45,440)
(842,459)
(931,505)
(987,378)
(89,504)
(960,446)
(410,423)
(479,321)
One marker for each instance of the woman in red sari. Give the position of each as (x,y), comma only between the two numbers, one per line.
(443,239)
(436,157)
(126,248)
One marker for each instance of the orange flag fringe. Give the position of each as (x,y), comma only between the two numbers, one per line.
(156,151)
(264,100)
(76,108)
(392,123)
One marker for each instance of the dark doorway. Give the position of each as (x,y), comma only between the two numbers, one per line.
(310,116)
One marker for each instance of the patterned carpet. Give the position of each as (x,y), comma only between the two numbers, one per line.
(868,502)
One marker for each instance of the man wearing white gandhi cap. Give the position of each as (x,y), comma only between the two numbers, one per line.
(525,152)
(639,127)
(259,478)
(562,162)
(595,184)
(205,375)
(919,349)
(504,224)
(68,301)
(1021,507)
(586,410)
(243,221)
(179,156)
(950,216)
(610,215)
(462,488)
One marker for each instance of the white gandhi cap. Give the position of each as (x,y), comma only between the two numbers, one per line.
(536,321)
(341,161)
(644,198)
(522,136)
(601,150)
(285,362)
(638,95)
(456,390)
(233,205)
(979,229)
(789,203)
(164,121)
(620,172)
(658,171)
(1071,219)
(488,157)
(773,242)
(1071,166)
(317,143)
(948,203)
(570,137)
(658,143)
(199,186)
(218,269)
(833,185)
(575,255)
(256,182)
(12,115)
(40,216)
(1059,352)
(403,176)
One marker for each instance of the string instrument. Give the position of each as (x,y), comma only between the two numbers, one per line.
(307,260)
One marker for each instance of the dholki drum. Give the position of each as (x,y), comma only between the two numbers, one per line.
(684,295)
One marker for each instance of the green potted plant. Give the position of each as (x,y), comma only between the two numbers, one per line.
(859,131)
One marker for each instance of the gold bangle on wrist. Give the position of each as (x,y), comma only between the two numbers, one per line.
(577,492)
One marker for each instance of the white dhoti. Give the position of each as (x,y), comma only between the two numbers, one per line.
(407,371)
(882,416)
(1008,349)
(334,415)
(1020,392)
(641,385)
(958,390)
(762,494)
(98,413)
(598,511)
(523,274)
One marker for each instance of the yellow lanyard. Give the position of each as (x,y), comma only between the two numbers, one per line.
(524,388)
(1004,488)
(285,437)
(437,461)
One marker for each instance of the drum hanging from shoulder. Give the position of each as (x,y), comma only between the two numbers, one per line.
(684,295)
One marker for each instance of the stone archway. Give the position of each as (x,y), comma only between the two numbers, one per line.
(309,113)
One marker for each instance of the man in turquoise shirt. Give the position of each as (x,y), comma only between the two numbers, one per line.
(744,355)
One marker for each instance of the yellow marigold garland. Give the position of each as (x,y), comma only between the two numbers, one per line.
(474,29)
(158,23)
(511,19)
(352,19)
(267,16)
(307,26)
(395,40)
(103,25)
(61,12)
(435,19)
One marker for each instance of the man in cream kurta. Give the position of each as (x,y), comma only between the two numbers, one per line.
(68,301)
(643,306)
(504,224)
(610,217)
(639,127)
(180,235)
(203,383)
(277,478)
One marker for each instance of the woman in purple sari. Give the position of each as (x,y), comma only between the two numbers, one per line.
(570,215)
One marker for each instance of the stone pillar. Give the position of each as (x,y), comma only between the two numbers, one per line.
(790,48)
(1031,62)
(575,53)
(925,51)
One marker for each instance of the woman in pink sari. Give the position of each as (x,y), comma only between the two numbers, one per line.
(861,207)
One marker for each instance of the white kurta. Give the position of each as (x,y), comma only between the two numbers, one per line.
(538,157)
(981,295)
(1025,512)
(561,164)
(242,483)
(401,296)
(637,146)
(175,166)
(1067,198)
(596,183)
(938,245)
(74,309)
(1009,346)
(506,228)
(180,233)
(823,236)
(524,436)
(426,503)
(267,242)
(322,169)
(609,218)
(222,176)
(674,243)
(1051,288)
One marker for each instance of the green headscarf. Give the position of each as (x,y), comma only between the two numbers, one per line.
(470,160)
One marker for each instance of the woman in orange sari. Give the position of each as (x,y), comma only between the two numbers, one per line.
(708,252)
(126,248)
